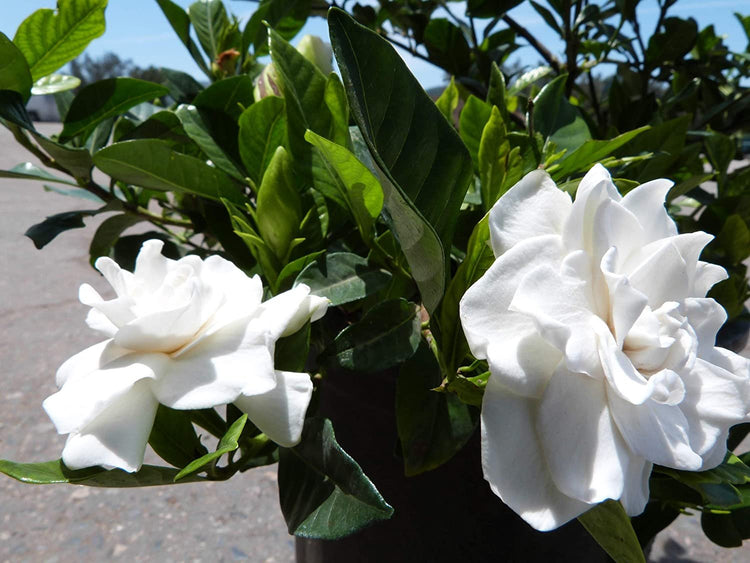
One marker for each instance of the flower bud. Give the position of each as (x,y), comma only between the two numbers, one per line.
(317,51)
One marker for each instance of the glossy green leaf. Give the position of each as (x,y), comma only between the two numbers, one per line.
(291,351)
(43,233)
(610,526)
(107,98)
(29,171)
(262,131)
(492,157)
(497,91)
(323,492)
(469,390)
(343,277)
(338,104)
(734,239)
(471,123)
(447,46)
(448,101)
(153,164)
(164,126)
(557,119)
(286,17)
(50,472)
(590,152)
(427,167)
(50,38)
(14,70)
(173,437)
(356,187)
(291,270)
(674,42)
(387,334)
(183,88)
(432,426)
(279,210)
(227,443)
(180,22)
(209,18)
(489,8)
(230,96)
(720,529)
(53,83)
(108,233)
(687,185)
(528,78)
(76,161)
(13,109)
(198,127)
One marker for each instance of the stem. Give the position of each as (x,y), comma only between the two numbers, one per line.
(595,100)
(541,49)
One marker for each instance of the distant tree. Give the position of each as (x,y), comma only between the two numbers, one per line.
(110,65)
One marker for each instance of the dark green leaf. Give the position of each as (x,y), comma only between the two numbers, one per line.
(14,70)
(432,426)
(448,101)
(286,17)
(228,443)
(557,119)
(323,492)
(153,164)
(547,17)
(209,18)
(107,98)
(199,129)
(388,334)
(426,164)
(494,150)
(290,271)
(43,233)
(164,126)
(489,8)
(50,472)
(180,22)
(343,277)
(610,527)
(183,88)
(55,83)
(471,123)
(673,43)
(76,161)
(734,239)
(230,96)
(720,529)
(173,437)
(262,130)
(447,46)
(13,109)
(73,192)
(291,351)
(50,38)
(107,234)
(29,171)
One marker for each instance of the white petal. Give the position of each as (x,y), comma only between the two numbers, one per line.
(585,453)
(117,437)
(533,207)
(83,398)
(514,465)
(242,294)
(233,360)
(285,313)
(635,493)
(88,360)
(647,203)
(659,272)
(625,302)
(615,226)
(280,412)
(656,432)
(151,266)
(706,276)
(595,188)
(522,360)
(117,312)
(118,278)
(706,317)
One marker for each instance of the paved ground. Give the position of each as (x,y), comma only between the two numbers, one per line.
(42,325)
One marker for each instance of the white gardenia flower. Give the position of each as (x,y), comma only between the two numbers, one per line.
(600,342)
(189,334)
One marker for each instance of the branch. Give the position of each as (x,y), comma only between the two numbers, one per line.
(541,49)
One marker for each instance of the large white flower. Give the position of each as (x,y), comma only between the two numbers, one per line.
(600,342)
(189,334)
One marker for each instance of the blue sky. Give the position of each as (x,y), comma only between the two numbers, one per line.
(137,30)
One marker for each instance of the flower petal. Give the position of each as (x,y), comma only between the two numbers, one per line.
(91,359)
(635,493)
(706,317)
(647,203)
(117,437)
(151,266)
(533,207)
(625,302)
(595,188)
(587,457)
(513,462)
(280,412)
(285,313)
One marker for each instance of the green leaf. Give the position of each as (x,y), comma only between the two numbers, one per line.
(13,109)
(173,437)
(108,233)
(356,187)
(610,527)
(673,43)
(50,38)
(420,153)
(721,151)
(497,91)
(230,96)
(528,78)
(286,17)
(734,239)
(14,70)
(432,426)
(198,127)
(183,88)
(291,270)
(209,18)
(76,161)
(29,171)
(262,130)
(447,46)
(720,529)
(684,187)
(343,278)
(54,83)
(228,443)
(323,492)
(494,150)
(153,164)
(279,209)
(471,123)
(180,22)
(448,101)
(387,334)
(292,351)
(589,153)
(557,119)
(43,233)
(107,98)
(489,8)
